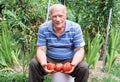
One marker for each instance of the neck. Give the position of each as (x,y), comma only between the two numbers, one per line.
(59,31)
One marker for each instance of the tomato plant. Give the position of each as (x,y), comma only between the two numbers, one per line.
(50,66)
(58,66)
(67,66)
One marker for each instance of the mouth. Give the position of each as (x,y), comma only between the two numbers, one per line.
(58,23)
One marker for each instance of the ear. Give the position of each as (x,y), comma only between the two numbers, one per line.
(66,15)
(50,16)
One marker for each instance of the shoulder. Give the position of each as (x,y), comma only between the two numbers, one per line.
(71,23)
(45,25)
(73,26)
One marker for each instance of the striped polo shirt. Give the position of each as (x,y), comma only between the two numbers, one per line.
(61,47)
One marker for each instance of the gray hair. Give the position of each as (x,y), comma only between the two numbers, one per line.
(57,5)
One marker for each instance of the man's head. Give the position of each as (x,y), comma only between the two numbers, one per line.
(58,15)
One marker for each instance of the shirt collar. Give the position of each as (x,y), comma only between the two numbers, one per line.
(67,27)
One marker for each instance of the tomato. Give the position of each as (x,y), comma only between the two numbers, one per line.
(58,66)
(67,66)
(50,66)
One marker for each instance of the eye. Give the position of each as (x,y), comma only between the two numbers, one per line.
(54,16)
(60,16)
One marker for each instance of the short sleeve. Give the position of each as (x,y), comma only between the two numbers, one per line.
(41,39)
(78,38)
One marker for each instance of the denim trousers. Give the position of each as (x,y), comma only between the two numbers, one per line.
(37,73)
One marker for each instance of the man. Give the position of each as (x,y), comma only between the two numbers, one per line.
(59,41)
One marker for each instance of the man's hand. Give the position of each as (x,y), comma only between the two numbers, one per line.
(73,67)
(48,71)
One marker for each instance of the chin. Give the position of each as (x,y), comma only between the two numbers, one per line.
(59,26)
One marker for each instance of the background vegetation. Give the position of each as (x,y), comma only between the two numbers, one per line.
(19,22)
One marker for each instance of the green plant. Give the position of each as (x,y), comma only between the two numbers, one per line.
(92,55)
(9,51)
(92,15)
(23,18)
(47,78)
(109,79)
(93,78)
(116,18)
(115,70)
(113,46)
(13,77)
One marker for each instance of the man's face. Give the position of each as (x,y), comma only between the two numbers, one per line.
(58,17)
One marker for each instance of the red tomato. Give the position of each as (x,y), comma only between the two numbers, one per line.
(58,66)
(50,66)
(67,66)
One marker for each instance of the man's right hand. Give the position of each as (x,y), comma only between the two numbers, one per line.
(48,71)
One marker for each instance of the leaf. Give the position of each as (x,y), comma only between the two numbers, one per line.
(2,61)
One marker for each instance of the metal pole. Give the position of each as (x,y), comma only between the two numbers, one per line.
(63,2)
(105,46)
(48,11)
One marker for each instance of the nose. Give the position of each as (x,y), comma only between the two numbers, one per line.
(57,18)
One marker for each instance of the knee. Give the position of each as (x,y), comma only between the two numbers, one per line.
(86,69)
(84,66)
(33,63)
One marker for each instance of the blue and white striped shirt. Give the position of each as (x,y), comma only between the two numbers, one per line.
(62,47)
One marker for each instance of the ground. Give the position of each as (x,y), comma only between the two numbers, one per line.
(98,72)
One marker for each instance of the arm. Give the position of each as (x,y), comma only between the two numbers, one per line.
(78,57)
(41,56)
(79,46)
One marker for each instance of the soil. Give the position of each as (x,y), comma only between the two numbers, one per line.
(99,73)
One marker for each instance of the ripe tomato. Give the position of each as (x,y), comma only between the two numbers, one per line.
(50,66)
(58,66)
(67,66)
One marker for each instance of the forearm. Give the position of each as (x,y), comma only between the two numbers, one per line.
(41,56)
(78,57)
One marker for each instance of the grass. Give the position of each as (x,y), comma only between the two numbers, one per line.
(13,77)
(109,79)
(116,70)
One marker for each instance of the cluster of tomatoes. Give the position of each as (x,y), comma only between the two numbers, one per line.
(59,66)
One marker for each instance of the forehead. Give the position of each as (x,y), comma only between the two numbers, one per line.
(57,11)
(57,8)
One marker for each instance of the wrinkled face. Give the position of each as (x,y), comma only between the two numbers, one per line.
(58,17)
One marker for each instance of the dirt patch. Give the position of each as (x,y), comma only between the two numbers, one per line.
(98,72)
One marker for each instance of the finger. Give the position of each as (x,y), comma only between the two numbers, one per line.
(70,70)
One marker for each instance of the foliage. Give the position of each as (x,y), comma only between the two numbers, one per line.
(109,79)
(47,78)
(92,56)
(115,70)
(9,51)
(115,24)
(23,18)
(113,46)
(92,15)
(13,77)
